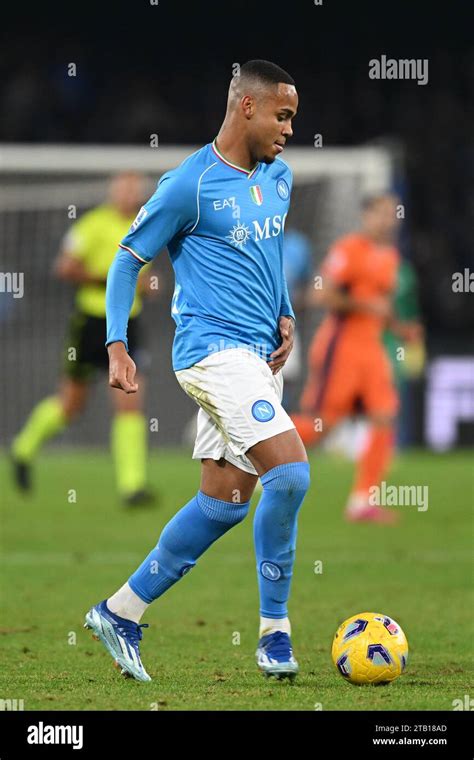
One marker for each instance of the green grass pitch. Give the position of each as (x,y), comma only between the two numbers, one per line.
(59,556)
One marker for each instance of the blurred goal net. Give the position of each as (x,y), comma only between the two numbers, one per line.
(40,184)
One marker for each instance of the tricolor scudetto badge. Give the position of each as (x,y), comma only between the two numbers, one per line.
(256,194)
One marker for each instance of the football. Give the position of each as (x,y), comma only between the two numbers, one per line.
(370,648)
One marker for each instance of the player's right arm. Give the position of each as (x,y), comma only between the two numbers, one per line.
(170,211)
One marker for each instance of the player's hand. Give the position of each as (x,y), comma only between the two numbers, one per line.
(280,356)
(122,368)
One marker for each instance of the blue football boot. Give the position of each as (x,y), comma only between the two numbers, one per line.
(275,656)
(120,637)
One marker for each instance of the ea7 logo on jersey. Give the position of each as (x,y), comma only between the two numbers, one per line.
(138,219)
(226,203)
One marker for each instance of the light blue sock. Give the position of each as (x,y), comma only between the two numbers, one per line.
(187,535)
(275,529)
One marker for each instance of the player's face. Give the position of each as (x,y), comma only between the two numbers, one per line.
(271,125)
(127,193)
(381,220)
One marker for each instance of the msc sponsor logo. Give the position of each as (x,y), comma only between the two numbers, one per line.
(273,226)
(239,234)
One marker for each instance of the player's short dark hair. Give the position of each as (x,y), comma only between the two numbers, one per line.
(266,72)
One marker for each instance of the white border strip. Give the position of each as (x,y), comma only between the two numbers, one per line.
(126,248)
(197,195)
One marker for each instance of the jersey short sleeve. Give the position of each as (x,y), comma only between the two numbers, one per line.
(171,210)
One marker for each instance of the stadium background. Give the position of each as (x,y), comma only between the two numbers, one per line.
(151,71)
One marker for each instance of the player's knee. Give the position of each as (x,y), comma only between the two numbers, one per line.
(291,480)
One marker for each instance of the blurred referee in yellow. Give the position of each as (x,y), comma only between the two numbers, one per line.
(87,253)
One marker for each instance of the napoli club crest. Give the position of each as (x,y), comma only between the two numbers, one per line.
(270,571)
(263,411)
(283,190)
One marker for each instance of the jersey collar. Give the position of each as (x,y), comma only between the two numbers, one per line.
(233,166)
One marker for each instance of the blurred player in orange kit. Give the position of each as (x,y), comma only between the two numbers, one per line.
(348,366)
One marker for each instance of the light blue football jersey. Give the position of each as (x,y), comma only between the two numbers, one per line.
(223,227)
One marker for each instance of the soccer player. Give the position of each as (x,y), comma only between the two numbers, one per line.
(221,214)
(348,364)
(87,252)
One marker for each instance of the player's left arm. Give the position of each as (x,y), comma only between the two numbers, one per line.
(286,326)
(279,357)
(286,318)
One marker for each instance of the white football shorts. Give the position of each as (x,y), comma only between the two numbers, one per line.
(240,404)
